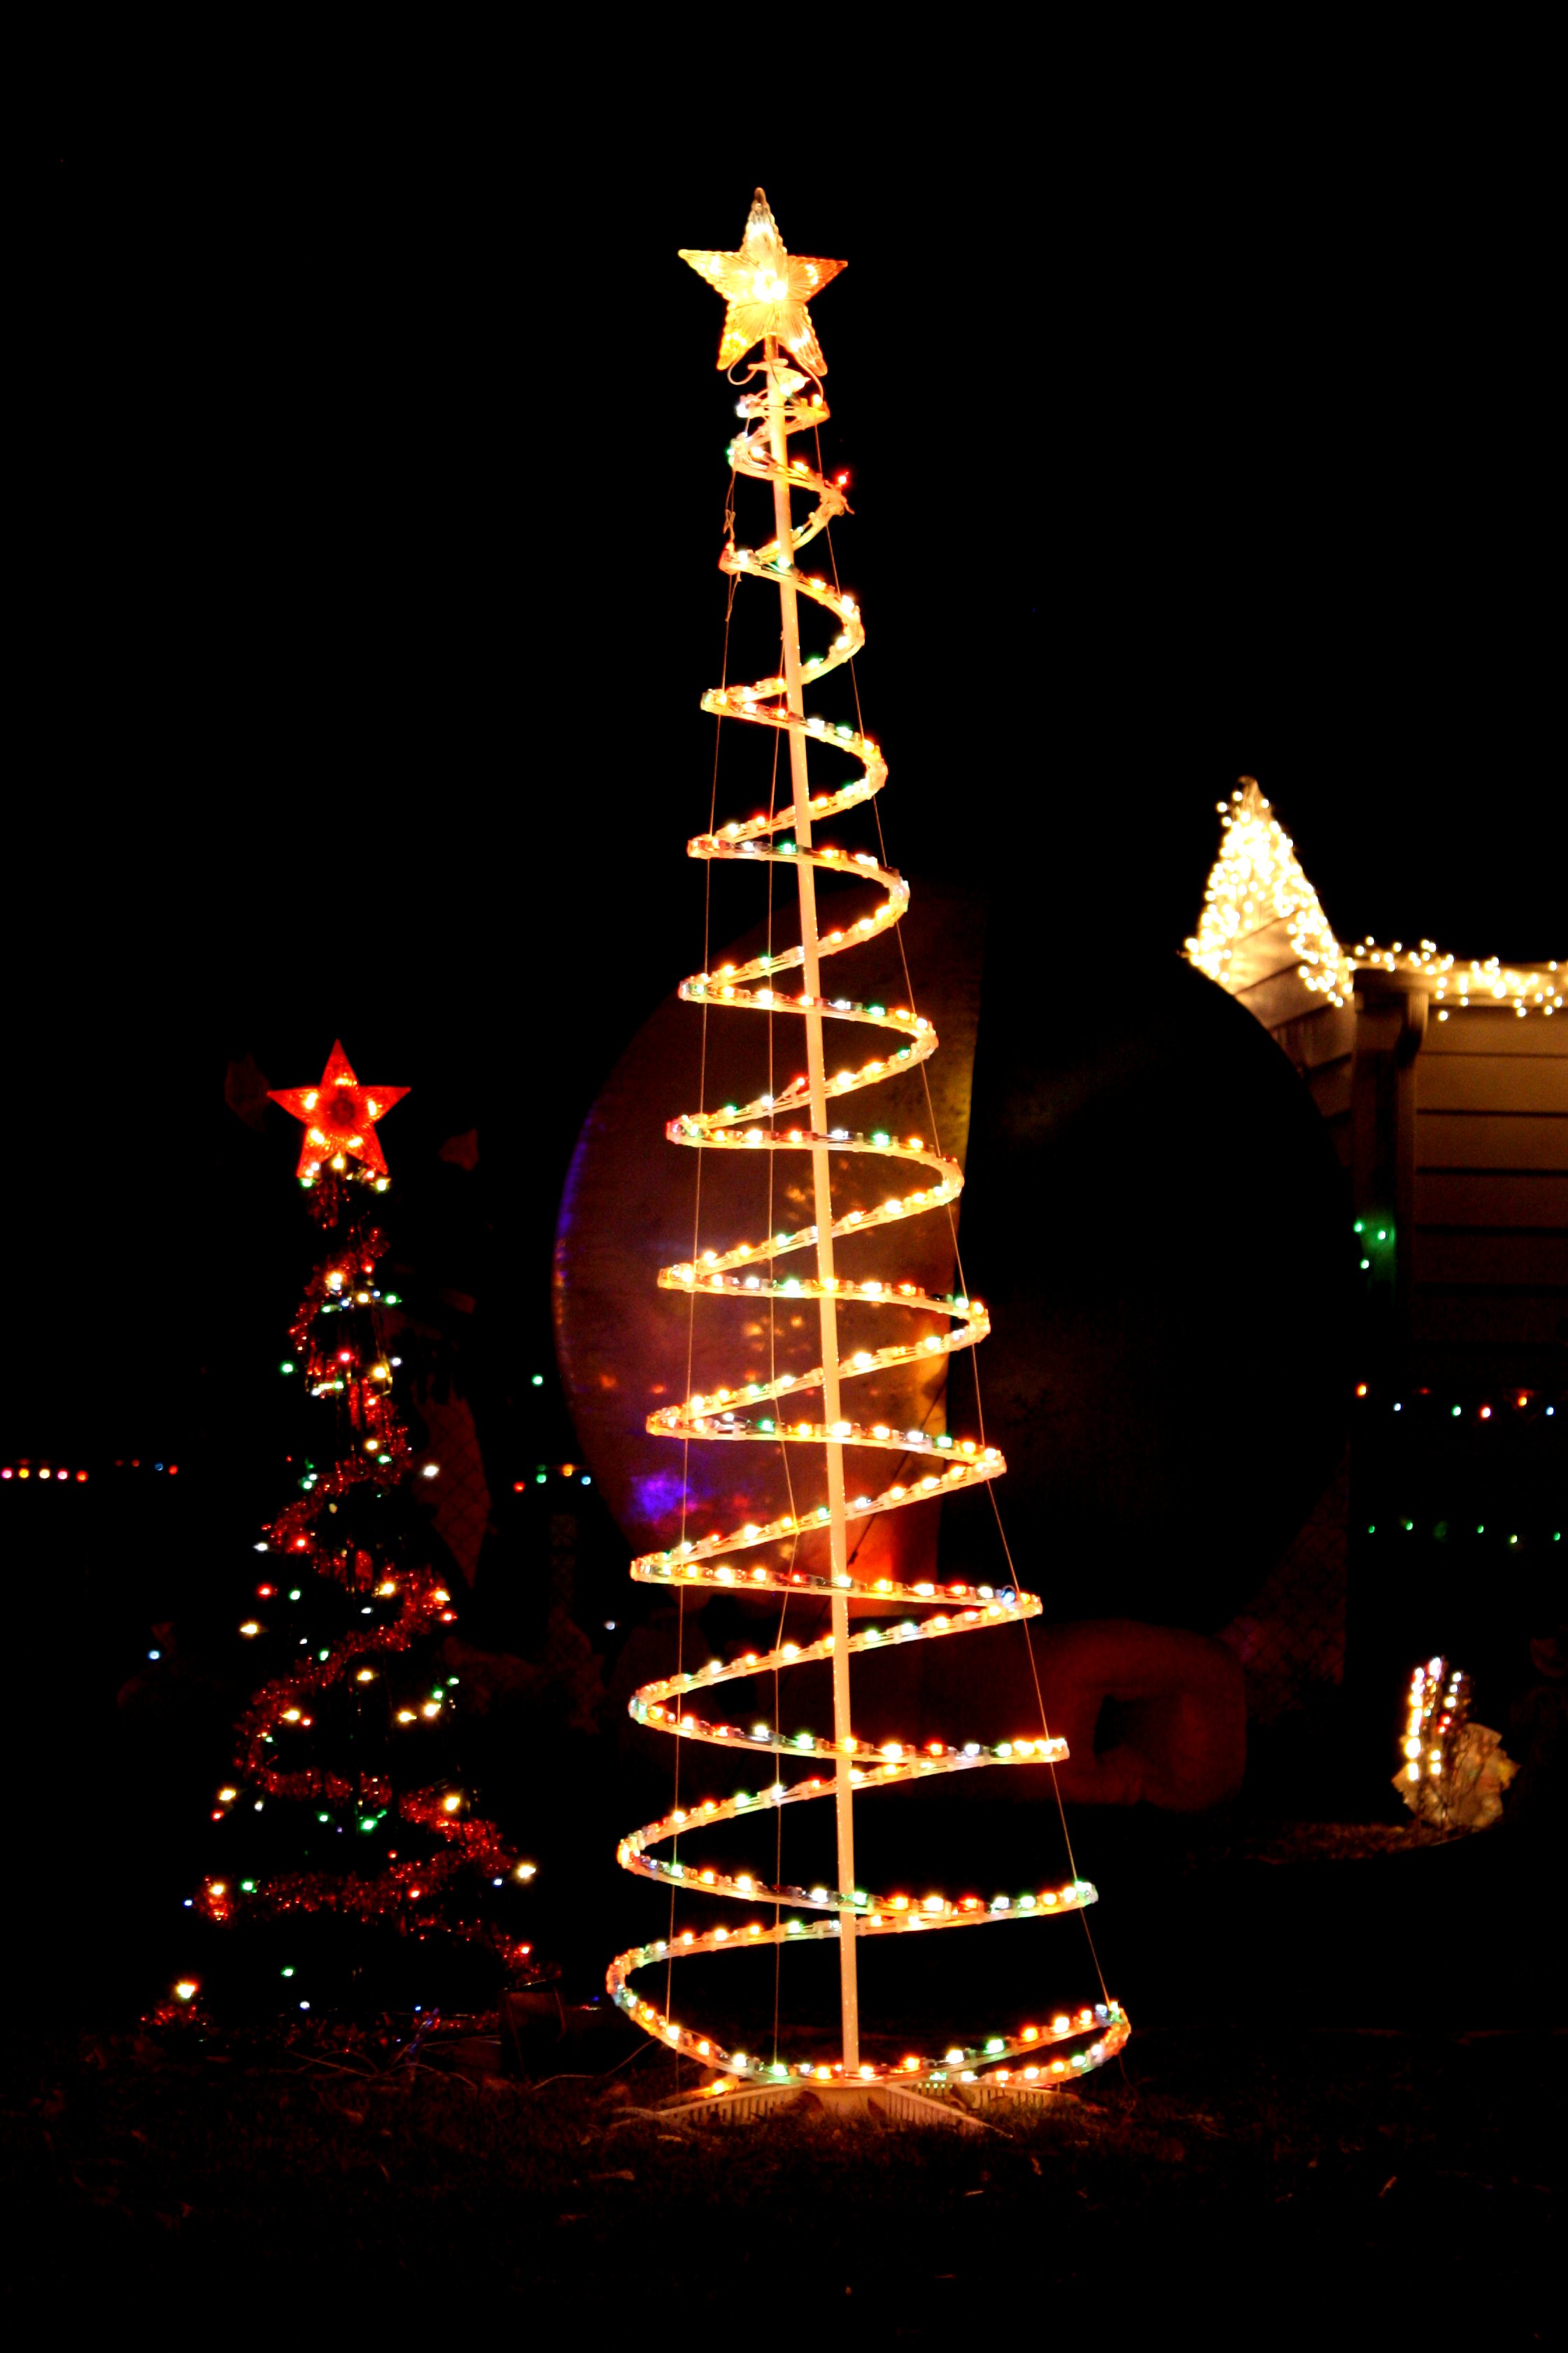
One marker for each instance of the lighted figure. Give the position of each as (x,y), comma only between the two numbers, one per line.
(1455,1772)
(801,1417)
(343,1797)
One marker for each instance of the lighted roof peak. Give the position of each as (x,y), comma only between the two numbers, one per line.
(1256,882)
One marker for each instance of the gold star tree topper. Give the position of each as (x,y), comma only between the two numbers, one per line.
(766,289)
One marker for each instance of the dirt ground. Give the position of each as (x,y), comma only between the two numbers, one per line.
(1232,2184)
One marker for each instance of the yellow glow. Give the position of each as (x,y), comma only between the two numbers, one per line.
(1257,879)
(765,289)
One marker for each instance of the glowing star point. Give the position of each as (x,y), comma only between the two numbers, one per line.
(340,1116)
(766,289)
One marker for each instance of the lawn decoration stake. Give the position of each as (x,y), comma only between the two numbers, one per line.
(767,291)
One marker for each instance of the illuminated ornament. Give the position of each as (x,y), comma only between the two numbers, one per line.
(340,1117)
(766,289)
(1256,882)
(1455,1771)
(760,1555)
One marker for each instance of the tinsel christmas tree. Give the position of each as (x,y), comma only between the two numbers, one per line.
(346,1800)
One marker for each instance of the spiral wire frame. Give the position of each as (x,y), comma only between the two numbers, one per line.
(755,1411)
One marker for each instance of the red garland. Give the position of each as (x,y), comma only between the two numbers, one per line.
(409,1891)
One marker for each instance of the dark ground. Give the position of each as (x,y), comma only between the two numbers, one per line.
(1342,2097)
(1230,2183)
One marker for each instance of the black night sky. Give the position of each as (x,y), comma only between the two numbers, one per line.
(374,590)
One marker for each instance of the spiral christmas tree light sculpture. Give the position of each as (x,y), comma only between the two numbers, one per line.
(767,291)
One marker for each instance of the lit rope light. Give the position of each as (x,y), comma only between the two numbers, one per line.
(928,1466)
(1257,880)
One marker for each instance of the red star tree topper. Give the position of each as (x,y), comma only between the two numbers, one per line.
(340,1117)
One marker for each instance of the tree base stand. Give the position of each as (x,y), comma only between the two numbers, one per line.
(1009,2095)
(894,2102)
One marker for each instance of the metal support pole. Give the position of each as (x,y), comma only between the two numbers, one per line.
(823,1206)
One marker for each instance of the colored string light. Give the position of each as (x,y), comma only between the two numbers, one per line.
(340,1346)
(800,1411)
